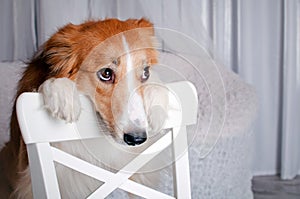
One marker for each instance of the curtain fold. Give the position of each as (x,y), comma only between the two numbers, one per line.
(258,39)
(260,64)
(290,162)
(24,30)
(18,34)
(56,13)
(6,41)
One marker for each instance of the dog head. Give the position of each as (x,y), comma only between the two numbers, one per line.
(110,61)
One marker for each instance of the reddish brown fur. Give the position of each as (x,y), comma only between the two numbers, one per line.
(61,56)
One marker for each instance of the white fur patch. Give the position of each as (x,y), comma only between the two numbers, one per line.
(134,112)
(129,65)
(61,98)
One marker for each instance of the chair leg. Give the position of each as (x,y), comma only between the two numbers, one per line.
(43,173)
(182,186)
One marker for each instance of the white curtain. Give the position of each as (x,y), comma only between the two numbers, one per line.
(258,39)
(18,34)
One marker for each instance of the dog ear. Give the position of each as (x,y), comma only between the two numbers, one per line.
(60,52)
(140,23)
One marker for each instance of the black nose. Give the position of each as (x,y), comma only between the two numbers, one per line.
(133,139)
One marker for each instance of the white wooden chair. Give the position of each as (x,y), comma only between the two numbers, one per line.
(39,129)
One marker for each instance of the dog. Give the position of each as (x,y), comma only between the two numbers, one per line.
(108,61)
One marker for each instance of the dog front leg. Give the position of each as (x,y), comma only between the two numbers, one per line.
(61,98)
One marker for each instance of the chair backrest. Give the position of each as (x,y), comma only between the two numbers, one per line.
(39,129)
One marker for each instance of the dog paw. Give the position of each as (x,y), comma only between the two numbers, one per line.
(157,104)
(61,98)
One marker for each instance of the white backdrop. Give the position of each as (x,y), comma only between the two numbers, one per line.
(258,39)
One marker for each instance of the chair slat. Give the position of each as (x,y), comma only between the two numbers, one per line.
(104,175)
(43,174)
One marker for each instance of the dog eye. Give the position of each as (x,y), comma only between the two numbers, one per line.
(146,74)
(106,75)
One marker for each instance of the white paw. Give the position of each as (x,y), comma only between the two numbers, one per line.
(157,103)
(61,98)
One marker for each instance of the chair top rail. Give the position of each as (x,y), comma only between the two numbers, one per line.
(39,126)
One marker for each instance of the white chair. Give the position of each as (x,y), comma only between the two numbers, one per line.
(39,129)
